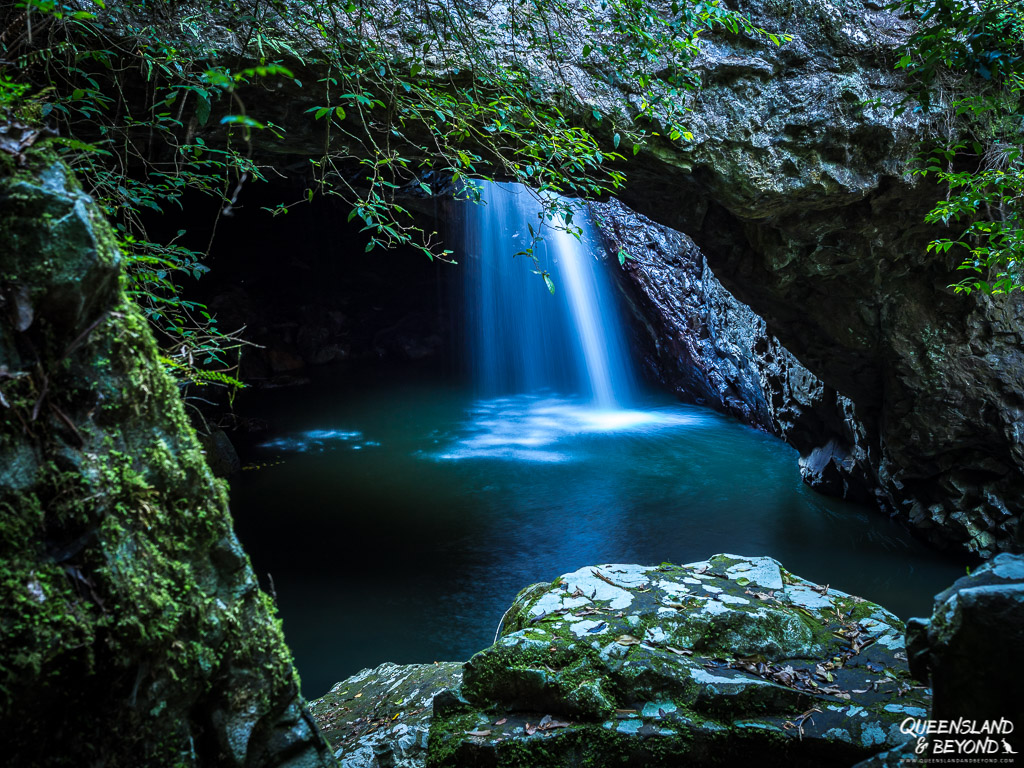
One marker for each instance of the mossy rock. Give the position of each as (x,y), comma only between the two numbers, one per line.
(729,661)
(132,629)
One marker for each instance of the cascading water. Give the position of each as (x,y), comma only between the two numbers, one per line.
(549,368)
(522,339)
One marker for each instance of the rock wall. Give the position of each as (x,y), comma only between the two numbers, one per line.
(796,189)
(713,350)
(132,629)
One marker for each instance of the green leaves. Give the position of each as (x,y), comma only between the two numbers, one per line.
(203,106)
(242,120)
(978,49)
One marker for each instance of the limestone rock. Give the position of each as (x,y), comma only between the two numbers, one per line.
(796,189)
(729,661)
(380,718)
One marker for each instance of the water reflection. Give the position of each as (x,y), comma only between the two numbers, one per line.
(542,427)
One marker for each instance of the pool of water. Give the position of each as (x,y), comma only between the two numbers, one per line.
(398,515)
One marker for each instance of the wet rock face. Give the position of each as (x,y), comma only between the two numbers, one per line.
(732,660)
(380,718)
(132,628)
(968,647)
(713,350)
(797,193)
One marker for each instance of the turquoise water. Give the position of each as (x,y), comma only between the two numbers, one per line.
(398,515)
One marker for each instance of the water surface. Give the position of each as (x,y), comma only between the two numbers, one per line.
(399,514)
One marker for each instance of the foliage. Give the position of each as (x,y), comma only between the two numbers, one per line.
(975,51)
(77,76)
(406,97)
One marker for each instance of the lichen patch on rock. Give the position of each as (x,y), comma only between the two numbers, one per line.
(732,658)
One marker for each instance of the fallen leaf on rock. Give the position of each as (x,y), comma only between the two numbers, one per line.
(677,606)
(548,722)
(605,579)
(627,640)
(823,672)
(680,651)
(530,729)
(502,721)
(478,733)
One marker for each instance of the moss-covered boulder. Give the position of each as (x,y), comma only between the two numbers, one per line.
(731,661)
(132,629)
(380,718)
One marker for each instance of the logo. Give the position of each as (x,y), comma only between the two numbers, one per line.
(957,741)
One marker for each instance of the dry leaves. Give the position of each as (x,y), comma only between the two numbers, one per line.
(678,606)
(547,723)
(798,723)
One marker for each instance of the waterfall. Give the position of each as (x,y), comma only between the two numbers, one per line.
(522,339)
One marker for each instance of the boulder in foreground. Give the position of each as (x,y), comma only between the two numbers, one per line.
(732,660)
